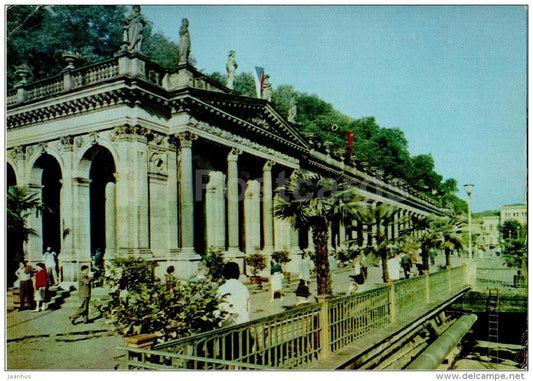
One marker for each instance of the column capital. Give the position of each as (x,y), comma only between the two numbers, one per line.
(185,138)
(234,153)
(268,165)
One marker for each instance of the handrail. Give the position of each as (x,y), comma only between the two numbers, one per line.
(304,335)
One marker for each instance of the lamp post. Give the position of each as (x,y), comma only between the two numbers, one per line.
(468,189)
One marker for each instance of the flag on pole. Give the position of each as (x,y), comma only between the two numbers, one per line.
(350,143)
(259,81)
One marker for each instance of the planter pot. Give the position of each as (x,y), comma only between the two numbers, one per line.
(255,279)
(143,340)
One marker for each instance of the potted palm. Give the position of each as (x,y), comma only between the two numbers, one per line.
(258,263)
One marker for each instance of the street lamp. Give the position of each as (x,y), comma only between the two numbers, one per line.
(469,188)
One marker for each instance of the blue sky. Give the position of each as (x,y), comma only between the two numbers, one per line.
(453,78)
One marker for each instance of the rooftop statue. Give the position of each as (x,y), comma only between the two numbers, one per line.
(293,110)
(133,30)
(267,88)
(185,42)
(231,67)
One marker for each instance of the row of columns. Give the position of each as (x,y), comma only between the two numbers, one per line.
(222,191)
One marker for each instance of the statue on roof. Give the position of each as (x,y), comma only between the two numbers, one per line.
(293,111)
(133,31)
(185,42)
(267,88)
(231,67)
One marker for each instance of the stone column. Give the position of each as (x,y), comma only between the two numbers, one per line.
(282,239)
(172,198)
(66,206)
(311,244)
(268,220)
(342,236)
(186,193)
(330,239)
(295,241)
(233,204)
(34,247)
(216,211)
(82,219)
(110,221)
(252,217)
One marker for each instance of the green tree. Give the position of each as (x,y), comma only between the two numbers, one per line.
(426,236)
(21,202)
(378,217)
(244,84)
(421,174)
(515,252)
(160,49)
(448,233)
(141,304)
(38,35)
(511,229)
(310,201)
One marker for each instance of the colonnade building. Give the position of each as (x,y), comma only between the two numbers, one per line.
(164,164)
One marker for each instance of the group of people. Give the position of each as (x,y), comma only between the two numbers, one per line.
(409,263)
(33,283)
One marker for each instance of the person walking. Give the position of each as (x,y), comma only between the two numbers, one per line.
(24,274)
(394,266)
(170,278)
(406,263)
(306,266)
(84,293)
(276,281)
(41,287)
(50,261)
(235,296)
(302,293)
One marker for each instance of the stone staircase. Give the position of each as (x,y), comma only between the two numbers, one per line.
(55,298)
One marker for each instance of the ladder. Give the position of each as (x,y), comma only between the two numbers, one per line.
(492,311)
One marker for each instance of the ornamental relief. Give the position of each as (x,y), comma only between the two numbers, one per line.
(128,132)
(17,153)
(157,162)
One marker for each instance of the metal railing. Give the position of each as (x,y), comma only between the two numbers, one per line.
(303,335)
(501,277)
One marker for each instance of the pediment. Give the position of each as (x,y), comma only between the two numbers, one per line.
(255,119)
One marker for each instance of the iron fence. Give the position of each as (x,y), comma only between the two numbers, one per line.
(303,335)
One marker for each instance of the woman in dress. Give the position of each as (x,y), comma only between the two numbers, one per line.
(41,287)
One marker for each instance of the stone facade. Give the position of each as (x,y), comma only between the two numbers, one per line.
(163,165)
(516,212)
(485,226)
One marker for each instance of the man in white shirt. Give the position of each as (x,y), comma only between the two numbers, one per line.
(50,261)
(394,267)
(235,296)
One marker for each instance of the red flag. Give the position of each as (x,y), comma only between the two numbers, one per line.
(350,143)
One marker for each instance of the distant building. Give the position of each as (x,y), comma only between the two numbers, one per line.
(516,212)
(485,224)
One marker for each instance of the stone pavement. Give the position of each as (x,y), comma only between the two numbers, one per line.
(47,340)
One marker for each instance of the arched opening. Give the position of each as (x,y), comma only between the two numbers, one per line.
(101,173)
(50,196)
(14,243)
(11,176)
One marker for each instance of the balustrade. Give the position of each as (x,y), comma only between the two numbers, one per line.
(304,335)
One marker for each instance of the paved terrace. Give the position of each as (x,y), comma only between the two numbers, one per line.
(94,346)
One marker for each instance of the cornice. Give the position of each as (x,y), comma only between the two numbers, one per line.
(89,103)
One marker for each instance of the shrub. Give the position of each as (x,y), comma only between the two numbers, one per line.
(281,256)
(214,261)
(145,306)
(257,262)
